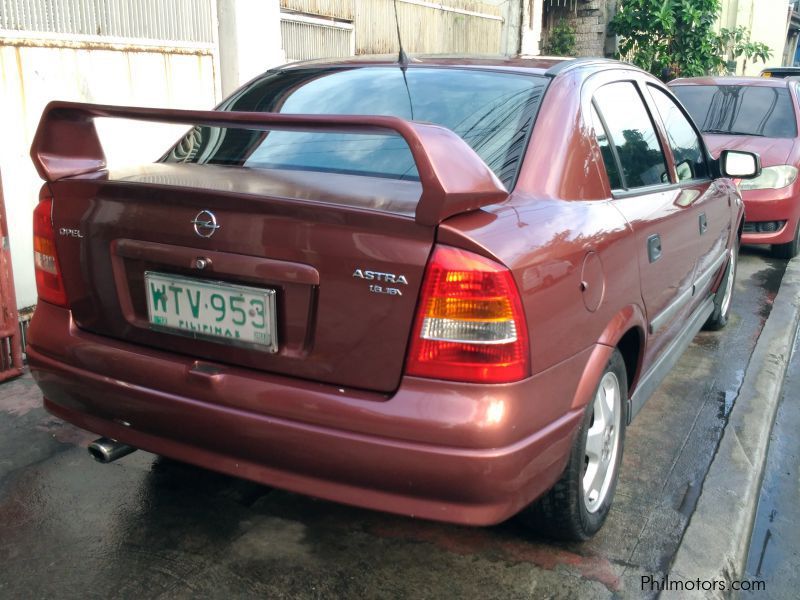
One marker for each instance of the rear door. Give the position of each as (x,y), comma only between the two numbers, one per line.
(643,191)
(709,205)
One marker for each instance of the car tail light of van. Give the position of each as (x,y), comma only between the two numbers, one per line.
(49,284)
(470,325)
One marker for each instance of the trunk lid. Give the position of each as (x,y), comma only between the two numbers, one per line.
(332,326)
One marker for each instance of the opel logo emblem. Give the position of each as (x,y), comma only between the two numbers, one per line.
(205,223)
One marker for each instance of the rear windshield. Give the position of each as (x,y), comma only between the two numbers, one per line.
(740,109)
(493,112)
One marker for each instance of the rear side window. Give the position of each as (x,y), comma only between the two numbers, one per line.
(690,160)
(612,170)
(493,112)
(630,130)
(740,109)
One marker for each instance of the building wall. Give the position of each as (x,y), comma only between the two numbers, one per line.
(531,28)
(249,40)
(338,28)
(767,21)
(590,20)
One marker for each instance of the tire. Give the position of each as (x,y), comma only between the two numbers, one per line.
(789,249)
(570,511)
(722,301)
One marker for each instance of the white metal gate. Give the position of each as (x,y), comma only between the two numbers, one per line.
(156,20)
(140,52)
(338,28)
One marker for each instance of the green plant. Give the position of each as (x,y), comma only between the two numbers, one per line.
(673,38)
(735,43)
(561,40)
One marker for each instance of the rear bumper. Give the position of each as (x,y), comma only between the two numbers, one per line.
(772,205)
(392,454)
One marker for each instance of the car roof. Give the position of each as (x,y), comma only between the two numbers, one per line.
(781,69)
(744,81)
(534,65)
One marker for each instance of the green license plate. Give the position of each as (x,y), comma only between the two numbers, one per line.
(213,310)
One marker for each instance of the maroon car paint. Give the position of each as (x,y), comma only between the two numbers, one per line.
(331,414)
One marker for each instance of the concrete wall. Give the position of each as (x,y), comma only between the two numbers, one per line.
(249,40)
(531,29)
(511,34)
(767,21)
(590,20)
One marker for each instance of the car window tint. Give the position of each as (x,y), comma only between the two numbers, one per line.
(612,170)
(740,109)
(633,134)
(493,112)
(690,160)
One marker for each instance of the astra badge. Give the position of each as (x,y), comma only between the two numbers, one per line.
(383,278)
(378,276)
(205,224)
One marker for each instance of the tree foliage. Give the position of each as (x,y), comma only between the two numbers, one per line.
(735,43)
(673,38)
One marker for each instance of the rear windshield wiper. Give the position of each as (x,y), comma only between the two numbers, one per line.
(731,132)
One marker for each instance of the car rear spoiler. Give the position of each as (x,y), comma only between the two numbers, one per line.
(454,178)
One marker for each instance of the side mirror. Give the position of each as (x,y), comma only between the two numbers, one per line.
(740,165)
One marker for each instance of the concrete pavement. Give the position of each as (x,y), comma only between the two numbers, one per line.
(775,544)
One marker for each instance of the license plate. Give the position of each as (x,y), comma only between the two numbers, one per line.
(213,310)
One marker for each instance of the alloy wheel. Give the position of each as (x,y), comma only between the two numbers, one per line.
(602,442)
(726,299)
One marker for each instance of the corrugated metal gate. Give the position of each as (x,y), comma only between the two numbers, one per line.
(457,26)
(10,347)
(173,20)
(337,28)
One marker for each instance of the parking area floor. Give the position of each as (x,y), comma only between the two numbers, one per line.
(147,527)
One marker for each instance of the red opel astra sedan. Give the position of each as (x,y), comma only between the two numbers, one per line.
(441,288)
(760,115)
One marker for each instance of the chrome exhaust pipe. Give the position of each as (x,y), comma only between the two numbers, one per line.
(105,450)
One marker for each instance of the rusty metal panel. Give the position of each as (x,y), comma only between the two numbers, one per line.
(459,26)
(163,20)
(10,347)
(321,28)
(338,9)
(306,37)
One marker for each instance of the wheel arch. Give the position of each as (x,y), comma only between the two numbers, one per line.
(626,333)
(630,345)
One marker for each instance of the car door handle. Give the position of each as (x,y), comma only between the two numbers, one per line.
(703,223)
(654,247)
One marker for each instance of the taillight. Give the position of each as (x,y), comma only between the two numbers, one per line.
(470,325)
(49,284)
